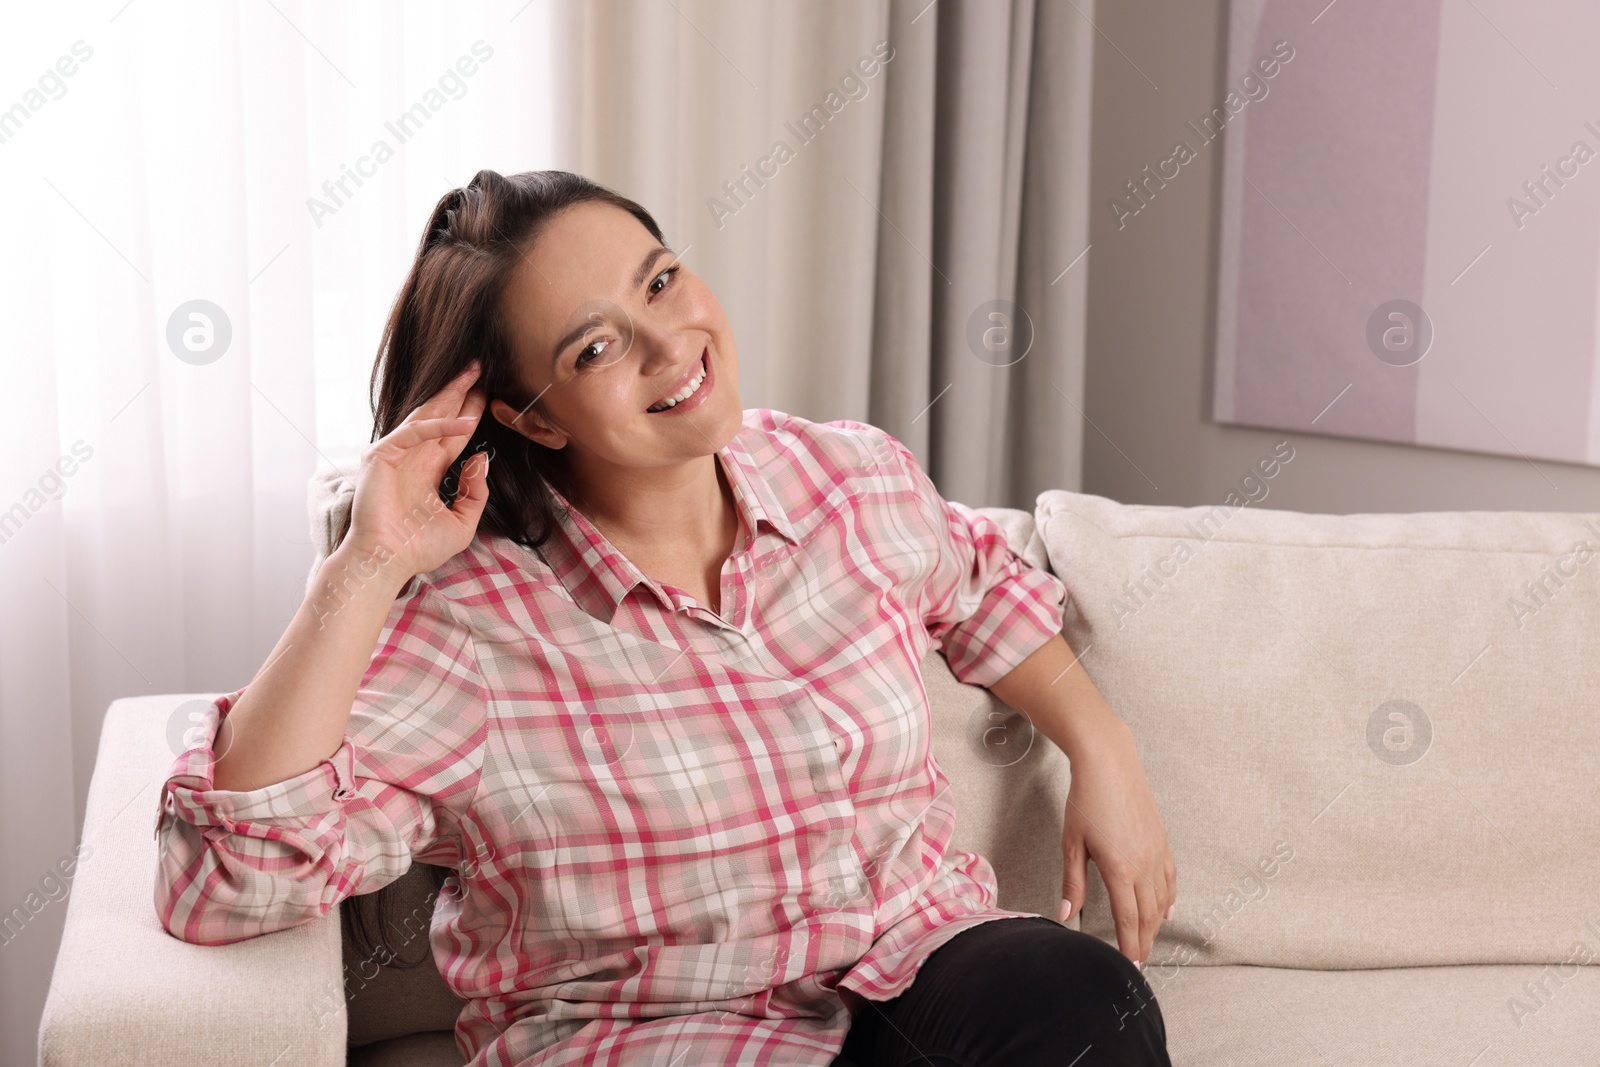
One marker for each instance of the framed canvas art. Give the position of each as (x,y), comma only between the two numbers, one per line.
(1410,246)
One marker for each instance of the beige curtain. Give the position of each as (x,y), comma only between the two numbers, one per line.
(860,183)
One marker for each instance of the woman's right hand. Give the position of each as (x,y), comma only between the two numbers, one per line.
(398,516)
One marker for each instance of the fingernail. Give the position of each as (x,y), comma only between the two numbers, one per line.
(1172,909)
(1064,912)
(1139,964)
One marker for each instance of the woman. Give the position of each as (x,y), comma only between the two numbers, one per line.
(648,684)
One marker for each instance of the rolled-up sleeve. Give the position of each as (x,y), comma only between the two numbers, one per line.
(985,607)
(237,864)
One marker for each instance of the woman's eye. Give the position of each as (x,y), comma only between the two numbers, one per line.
(664,274)
(658,285)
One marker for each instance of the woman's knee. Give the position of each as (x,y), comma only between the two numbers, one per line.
(1023,992)
(1095,991)
(1113,996)
(1043,954)
(1101,964)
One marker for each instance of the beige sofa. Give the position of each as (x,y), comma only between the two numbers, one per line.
(1374,739)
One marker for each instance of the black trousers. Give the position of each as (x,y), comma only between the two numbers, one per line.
(1015,992)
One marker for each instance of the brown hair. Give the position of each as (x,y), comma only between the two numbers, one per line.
(446,315)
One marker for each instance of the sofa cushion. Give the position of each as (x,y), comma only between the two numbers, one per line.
(1373,737)
(1487,1016)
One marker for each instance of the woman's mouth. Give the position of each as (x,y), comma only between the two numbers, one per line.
(699,386)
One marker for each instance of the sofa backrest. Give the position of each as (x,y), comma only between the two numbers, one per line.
(1373,738)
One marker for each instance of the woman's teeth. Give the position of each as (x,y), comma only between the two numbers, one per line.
(688,391)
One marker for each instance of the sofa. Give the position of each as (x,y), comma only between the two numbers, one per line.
(1374,740)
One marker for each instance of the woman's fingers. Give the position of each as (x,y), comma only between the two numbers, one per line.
(1124,913)
(400,473)
(1172,884)
(474,494)
(448,401)
(411,434)
(1144,892)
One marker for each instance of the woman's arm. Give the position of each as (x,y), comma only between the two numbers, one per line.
(1111,817)
(304,787)
(235,864)
(1060,700)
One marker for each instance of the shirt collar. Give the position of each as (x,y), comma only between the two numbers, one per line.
(598,575)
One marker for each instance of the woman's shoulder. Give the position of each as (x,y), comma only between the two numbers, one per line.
(839,444)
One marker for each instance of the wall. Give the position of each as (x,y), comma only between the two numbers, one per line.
(1151,320)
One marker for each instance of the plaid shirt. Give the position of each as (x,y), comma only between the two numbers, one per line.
(676,833)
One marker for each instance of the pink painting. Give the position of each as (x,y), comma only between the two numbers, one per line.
(1411,223)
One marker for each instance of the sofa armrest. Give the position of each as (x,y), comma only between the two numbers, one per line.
(126,991)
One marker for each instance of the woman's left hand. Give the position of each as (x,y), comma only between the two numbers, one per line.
(1112,819)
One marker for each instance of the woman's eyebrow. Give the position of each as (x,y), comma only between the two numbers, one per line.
(649,261)
(638,280)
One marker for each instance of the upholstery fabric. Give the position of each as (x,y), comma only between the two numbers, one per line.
(1373,741)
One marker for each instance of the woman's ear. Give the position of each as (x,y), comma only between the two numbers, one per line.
(528,423)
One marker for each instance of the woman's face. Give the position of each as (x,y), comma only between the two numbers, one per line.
(605,322)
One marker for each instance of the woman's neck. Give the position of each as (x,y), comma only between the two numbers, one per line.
(692,520)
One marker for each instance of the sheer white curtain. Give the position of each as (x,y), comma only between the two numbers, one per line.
(276,160)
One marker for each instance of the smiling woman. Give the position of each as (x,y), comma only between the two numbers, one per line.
(534,250)
(649,687)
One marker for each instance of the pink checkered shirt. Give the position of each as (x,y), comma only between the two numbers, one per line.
(676,833)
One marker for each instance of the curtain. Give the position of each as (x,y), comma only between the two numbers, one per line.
(153,528)
(213,206)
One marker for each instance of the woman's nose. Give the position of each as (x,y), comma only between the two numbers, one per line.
(662,351)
